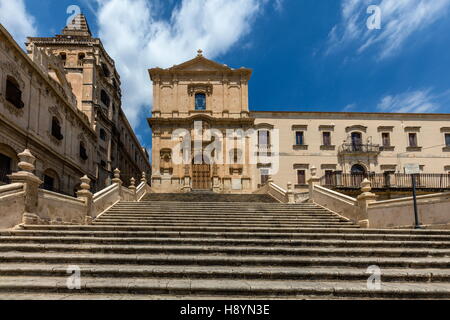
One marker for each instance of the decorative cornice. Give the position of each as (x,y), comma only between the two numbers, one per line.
(356,128)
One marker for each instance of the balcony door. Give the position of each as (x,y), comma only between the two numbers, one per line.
(356,141)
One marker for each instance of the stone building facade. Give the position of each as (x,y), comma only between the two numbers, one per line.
(61,99)
(201,99)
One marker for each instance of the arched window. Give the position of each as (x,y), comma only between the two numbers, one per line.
(83,152)
(63,56)
(103,134)
(81,57)
(56,129)
(358,169)
(51,180)
(105,70)
(200,101)
(105,98)
(13,92)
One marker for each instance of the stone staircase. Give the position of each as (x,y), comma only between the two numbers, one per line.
(222,250)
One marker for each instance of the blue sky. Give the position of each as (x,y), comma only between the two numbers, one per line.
(307,55)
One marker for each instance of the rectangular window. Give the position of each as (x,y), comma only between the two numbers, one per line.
(413,140)
(301,177)
(299,138)
(264,138)
(264,176)
(326,139)
(386,137)
(447,139)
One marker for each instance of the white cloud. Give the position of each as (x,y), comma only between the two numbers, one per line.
(15,18)
(137,39)
(400,20)
(420,101)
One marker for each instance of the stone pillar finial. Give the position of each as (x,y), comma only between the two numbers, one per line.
(132,188)
(313,181)
(290,193)
(31,185)
(144,178)
(85,183)
(117,177)
(364,199)
(366,185)
(27,161)
(87,196)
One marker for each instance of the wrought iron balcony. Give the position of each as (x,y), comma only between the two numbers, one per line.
(359,148)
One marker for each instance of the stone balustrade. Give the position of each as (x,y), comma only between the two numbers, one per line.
(23,202)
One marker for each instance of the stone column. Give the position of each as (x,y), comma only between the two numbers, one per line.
(118,182)
(31,186)
(186,180)
(86,195)
(313,181)
(132,188)
(363,202)
(290,193)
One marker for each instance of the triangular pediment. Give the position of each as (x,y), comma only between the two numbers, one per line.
(200,63)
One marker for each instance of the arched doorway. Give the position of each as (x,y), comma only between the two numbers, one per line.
(358,174)
(201,173)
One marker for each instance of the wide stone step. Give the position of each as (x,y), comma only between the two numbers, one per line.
(211,272)
(198,222)
(216,215)
(88,239)
(249,218)
(346,231)
(211,212)
(223,260)
(221,226)
(299,224)
(303,234)
(226,250)
(252,288)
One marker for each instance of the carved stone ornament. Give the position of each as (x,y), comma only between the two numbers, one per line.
(200,88)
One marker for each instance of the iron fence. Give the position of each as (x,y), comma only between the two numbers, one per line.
(337,180)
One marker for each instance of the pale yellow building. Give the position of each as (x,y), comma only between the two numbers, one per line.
(215,97)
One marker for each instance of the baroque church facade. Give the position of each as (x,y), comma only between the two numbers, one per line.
(205,137)
(62,100)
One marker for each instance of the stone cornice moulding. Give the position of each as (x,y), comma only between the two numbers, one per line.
(300,166)
(356,127)
(445,129)
(385,128)
(327,127)
(264,126)
(412,129)
(300,127)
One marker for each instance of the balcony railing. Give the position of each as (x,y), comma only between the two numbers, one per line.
(386,181)
(349,148)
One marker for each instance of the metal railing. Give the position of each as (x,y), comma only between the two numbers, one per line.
(386,181)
